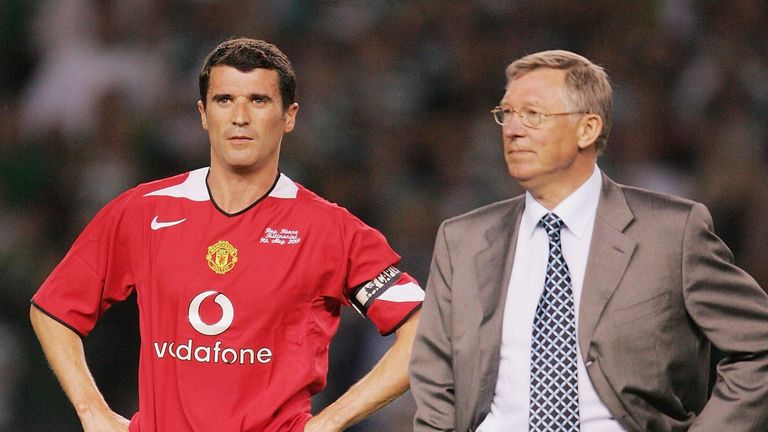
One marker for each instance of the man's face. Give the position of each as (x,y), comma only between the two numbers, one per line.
(546,154)
(244,118)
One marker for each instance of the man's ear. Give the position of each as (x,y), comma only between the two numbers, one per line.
(290,117)
(203,118)
(590,127)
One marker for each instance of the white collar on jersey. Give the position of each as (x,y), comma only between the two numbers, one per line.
(194,187)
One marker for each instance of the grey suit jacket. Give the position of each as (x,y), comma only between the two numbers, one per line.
(659,288)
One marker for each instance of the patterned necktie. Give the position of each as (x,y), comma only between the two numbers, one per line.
(554,399)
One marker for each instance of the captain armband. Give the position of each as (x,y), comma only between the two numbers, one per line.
(363,295)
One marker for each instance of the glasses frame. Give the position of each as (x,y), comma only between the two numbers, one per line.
(524,116)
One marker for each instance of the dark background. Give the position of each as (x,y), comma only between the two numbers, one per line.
(97,96)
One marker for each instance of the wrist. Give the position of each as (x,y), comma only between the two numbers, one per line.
(327,422)
(91,406)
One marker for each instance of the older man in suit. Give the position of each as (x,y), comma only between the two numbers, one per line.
(584,304)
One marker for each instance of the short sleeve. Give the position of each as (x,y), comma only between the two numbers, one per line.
(94,274)
(375,287)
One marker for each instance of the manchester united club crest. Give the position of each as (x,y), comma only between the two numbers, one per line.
(222,257)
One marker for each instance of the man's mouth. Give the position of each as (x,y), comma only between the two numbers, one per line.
(518,151)
(239,138)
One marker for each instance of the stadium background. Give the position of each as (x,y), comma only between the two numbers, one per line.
(98,96)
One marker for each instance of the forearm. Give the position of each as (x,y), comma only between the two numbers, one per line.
(66,356)
(383,384)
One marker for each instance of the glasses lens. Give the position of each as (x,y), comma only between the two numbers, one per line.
(531,119)
(498,115)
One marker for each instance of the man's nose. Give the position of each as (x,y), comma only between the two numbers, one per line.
(513,127)
(241,117)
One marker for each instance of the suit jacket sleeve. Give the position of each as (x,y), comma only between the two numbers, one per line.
(431,371)
(732,311)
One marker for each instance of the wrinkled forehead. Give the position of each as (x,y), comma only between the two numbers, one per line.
(543,86)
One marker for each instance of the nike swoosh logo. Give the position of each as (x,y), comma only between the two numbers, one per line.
(159,225)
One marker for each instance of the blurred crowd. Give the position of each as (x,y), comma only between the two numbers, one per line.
(99,95)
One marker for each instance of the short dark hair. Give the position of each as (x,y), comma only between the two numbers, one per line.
(246,55)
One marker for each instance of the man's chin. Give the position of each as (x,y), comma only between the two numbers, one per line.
(520,174)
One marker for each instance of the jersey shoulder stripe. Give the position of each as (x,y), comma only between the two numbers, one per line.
(285,188)
(192,188)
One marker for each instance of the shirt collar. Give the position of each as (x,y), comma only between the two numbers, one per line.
(575,211)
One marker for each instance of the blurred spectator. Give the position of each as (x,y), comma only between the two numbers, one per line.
(85,49)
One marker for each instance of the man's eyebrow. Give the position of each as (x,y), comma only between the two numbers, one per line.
(260,96)
(221,96)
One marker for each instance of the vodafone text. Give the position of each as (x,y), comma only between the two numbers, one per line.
(215,354)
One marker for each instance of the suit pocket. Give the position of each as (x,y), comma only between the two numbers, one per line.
(643,309)
(636,334)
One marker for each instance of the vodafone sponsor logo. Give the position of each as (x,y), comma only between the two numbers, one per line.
(227,314)
(188,351)
(216,353)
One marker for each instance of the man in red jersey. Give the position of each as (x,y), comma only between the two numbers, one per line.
(240,274)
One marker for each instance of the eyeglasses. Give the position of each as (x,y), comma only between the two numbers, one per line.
(528,117)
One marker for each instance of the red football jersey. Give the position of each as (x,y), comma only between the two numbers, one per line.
(236,311)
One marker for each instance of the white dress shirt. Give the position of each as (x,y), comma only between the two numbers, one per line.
(509,408)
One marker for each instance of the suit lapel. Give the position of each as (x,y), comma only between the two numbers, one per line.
(493,266)
(609,255)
